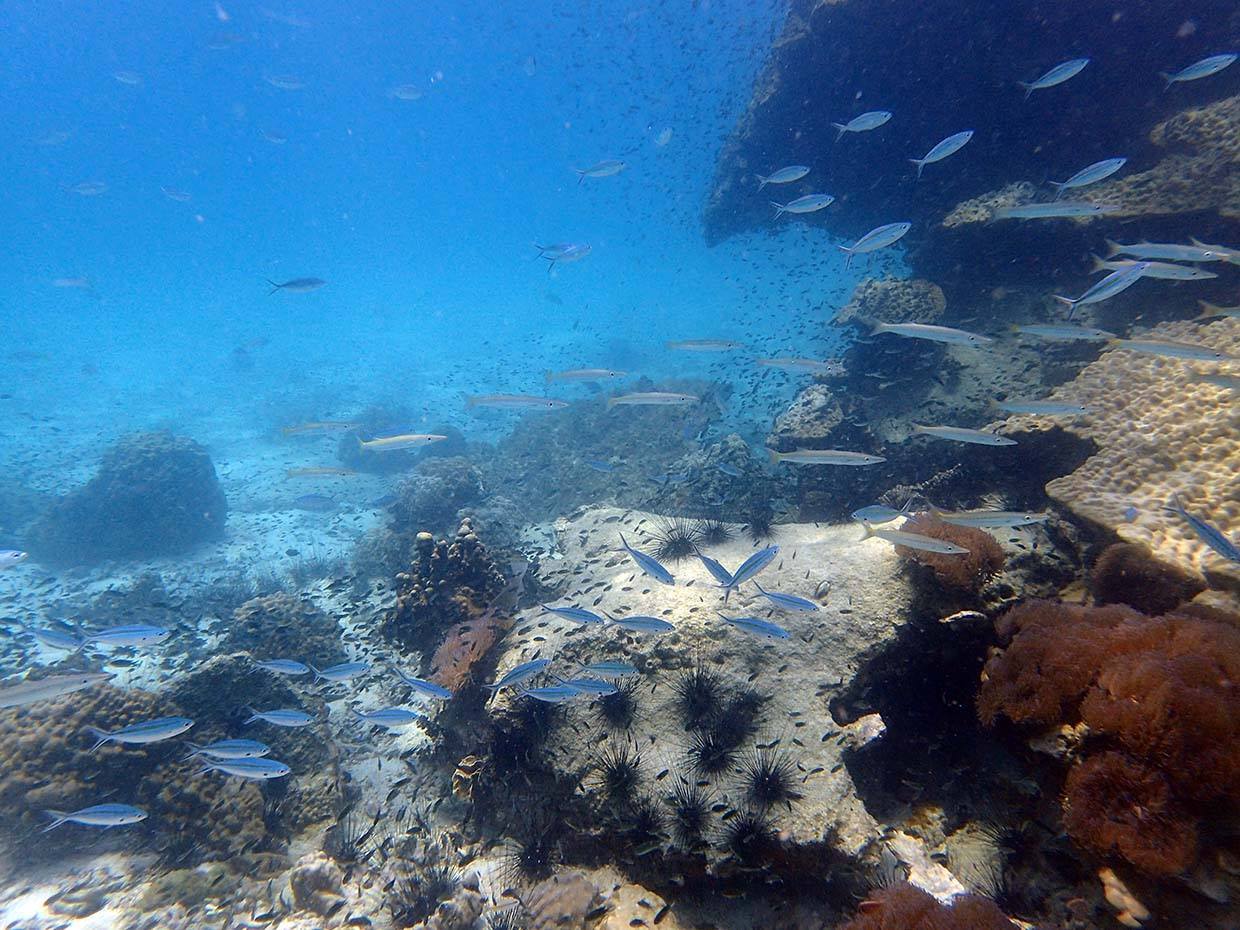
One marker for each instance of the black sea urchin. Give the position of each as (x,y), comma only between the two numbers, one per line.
(674,538)
(620,708)
(418,890)
(769,777)
(644,820)
(750,838)
(711,751)
(699,697)
(689,804)
(714,532)
(759,521)
(619,772)
(532,856)
(742,713)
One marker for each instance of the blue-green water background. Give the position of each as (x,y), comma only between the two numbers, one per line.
(421,214)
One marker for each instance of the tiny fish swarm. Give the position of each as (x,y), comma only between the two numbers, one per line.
(904,907)
(1157,692)
(961,572)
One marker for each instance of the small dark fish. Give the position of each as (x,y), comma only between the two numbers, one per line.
(296,285)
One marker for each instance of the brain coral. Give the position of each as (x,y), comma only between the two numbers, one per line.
(1159,432)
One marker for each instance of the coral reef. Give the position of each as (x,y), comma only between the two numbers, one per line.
(447,585)
(1187,443)
(904,907)
(153,494)
(982,209)
(430,499)
(284,626)
(962,572)
(808,420)
(1128,573)
(1158,688)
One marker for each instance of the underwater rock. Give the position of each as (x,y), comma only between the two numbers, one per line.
(447,584)
(893,300)
(562,902)
(810,419)
(154,494)
(1188,444)
(20,506)
(765,690)
(283,626)
(316,883)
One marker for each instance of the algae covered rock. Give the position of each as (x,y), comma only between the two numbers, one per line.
(894,300)
(285,626)
(154,494)
(811,418)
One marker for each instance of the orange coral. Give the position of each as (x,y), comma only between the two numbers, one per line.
(963,572)
(462,648)
(904,907)
(1113,804)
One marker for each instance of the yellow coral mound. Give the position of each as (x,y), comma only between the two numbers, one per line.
(1159,432)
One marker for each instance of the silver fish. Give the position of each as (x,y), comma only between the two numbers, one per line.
(638,624)
(933,333)
(757,626)
(140,734)
(787,601)
(231,749)
(813,366)
(749,568)
(259,769)
(11,557)
(1065,332)
(1112,284)
(283,666)
(515,402)
(863,123)
(44,689)
(602,169)
(1056,75)
(591,686)
(653,399)
(914,541)
(1091,174)
(1055,210)
(425,688)
(1211,311)
(1209,534)
(783,176)
(562,252)
(717,571)
(345,671)
(296,285)
(552,694)
(55,638)
(1168,349)
(132,635)
(611,669)
(390,718)
(1226,382)
(1199,69)
(521,674)
(810,203)
(576,614)
(824,457)
(963,434)
(281,718)
(648,563)
(1042,407)
(949,146)
(1166,271)
(99,815)
(990,518)
(1169,251)
(877,513)
(877,238)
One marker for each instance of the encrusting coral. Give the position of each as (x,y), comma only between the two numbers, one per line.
(1159,431)
(894,300)
(1161,689)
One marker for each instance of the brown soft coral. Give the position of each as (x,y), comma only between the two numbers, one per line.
(1115,805)
(904,907)
(1055,653)
(1128,573)
(462,648)
(963,572)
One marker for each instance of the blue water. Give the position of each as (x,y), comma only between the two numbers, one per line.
(420,214)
